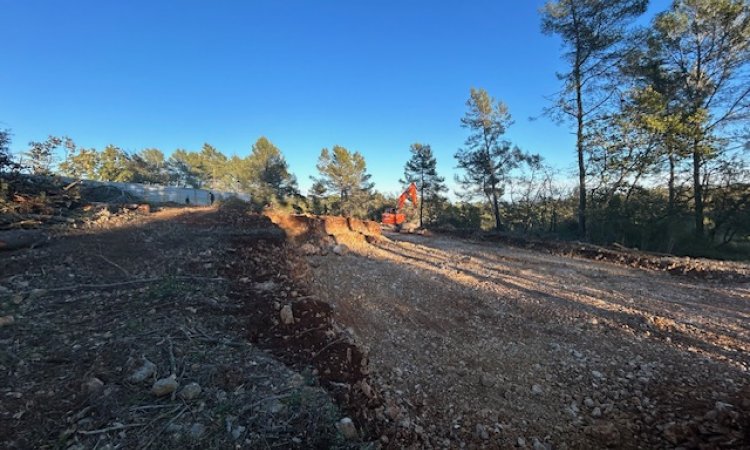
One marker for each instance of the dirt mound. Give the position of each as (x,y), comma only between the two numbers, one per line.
(699,268)
(325,231)
(283,317)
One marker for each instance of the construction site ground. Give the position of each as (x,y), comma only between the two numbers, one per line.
(424,341)
(498,346)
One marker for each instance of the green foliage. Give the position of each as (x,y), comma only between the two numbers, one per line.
(40,157)
(593,33)
(486,159)
(421,169)
(268,179)
(6,160)
(345,174)
(704,47)
(461,215)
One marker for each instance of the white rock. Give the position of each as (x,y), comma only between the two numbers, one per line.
(190,391)
(347,429)
(340,249)
(197,430)
(286,314)
(536,389)
(237,431)
(597,412)
(92,386)
(308,249)
(144,372)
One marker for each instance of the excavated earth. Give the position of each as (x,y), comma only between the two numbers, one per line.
(290,323)
(484,345)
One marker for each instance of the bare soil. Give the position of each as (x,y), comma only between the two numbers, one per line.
(424,341)
(80,315)
(487,345)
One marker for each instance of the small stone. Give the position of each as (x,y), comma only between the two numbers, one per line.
(589,402)
(165,386)
(190,391)
(197,430)
(521,442)
(37,293)
(286,314)
(597,412)
(145,371)
(536,389)
(482,433)
(538,445)
(392,411)
(340,249)
(276,407)
(308,249)
(6,320)
(237,431)
(486,380)
(92,386)
(597,374)
(347,429)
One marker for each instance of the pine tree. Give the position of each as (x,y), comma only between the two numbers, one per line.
(592,32)
(421,169)
(345,173)
(486,159)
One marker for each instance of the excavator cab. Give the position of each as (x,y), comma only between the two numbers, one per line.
(392,216)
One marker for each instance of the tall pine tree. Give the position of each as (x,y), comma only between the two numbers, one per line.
(421,169)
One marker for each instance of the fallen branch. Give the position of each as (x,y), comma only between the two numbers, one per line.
(114,264)
(112,428)
(335,341)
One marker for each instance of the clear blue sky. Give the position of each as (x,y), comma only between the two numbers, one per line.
(370,76)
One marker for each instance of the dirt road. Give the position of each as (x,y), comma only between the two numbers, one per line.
(485,345)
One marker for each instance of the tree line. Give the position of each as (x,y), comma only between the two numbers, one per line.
(660,114)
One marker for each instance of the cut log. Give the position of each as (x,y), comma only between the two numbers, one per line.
(15,239)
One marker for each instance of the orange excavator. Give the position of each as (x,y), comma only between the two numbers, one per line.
(394,216)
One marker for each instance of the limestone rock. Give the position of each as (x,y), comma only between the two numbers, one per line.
(165,386)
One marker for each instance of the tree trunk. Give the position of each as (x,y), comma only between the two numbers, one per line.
(496,208)
(697,190)
(421,198)
(579,149)
(670,186)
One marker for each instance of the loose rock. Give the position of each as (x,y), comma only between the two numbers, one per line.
(197,430)
(190,391)
(6,320)
(286,314)
(347,429)
(165,386)
(145,371)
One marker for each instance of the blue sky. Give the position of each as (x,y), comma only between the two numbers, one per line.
(370,76)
